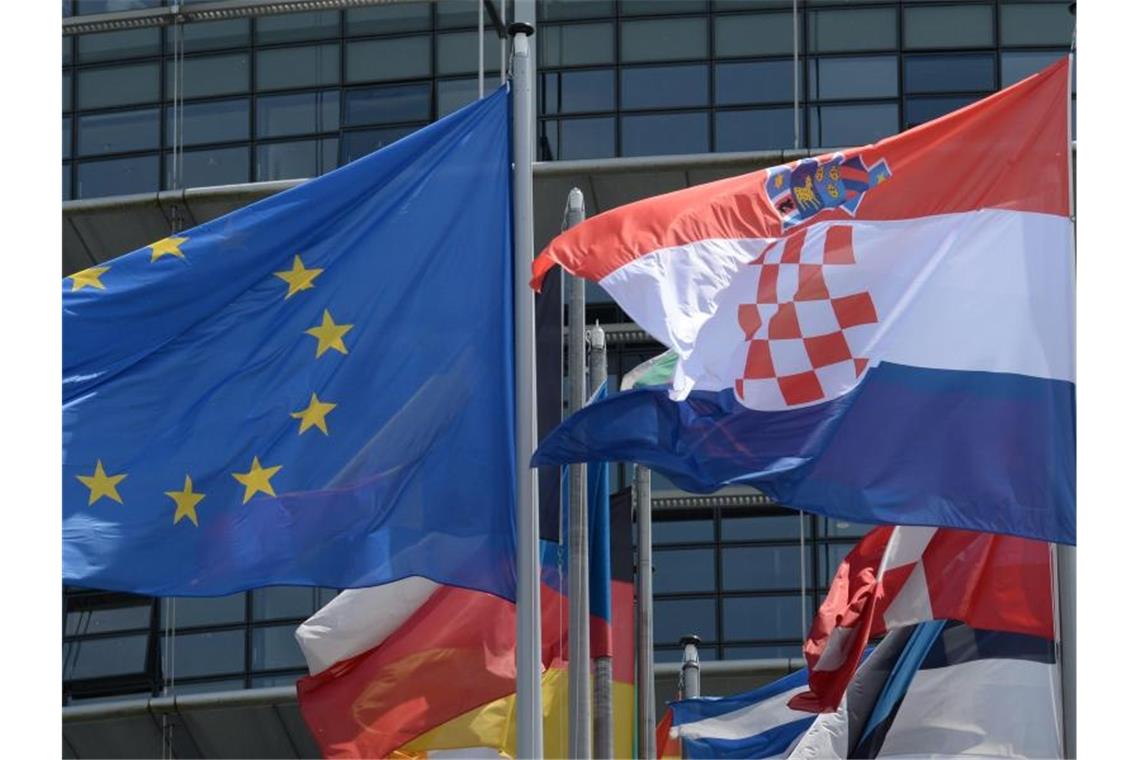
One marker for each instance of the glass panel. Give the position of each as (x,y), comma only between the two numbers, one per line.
(754,130)
(118,132)
(67,49)
(547,149)
(99,658)
(131,43)
(208,654)
(453,94)
(117,86)
(845,31)
(577,44)
(920,110)
(649,7)
(211,122)
(763,528)
(850,78)
(208,687)
(81,622)
(295,160)
(664,39)
(388,19)
(663,134)
(674,618)
(67,182)
(562,9)
(1036,24)
(66,137)
(836,527)
(846,126)
(458,53)
(294,27)
(275,647)
(66,94)
(760,82)
(210,35)
(1016,66)
(587,138)
(354,145)
(760,568)
(259,682)
(211,75)
(949,73)
(954,26)
(667,531)
(119,176)
(762,617)
(383,60)
(830,558)
(195,611)
(282,602)
(208,168)
(298,114)
(665,87)
(380,105)
(452,13)
(759,34)
(313,66)
(683,570)
(763,653)
(87,7)
(67,9)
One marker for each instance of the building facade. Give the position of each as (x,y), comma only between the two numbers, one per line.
(294,95)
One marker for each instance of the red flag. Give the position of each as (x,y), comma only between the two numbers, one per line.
(897,576)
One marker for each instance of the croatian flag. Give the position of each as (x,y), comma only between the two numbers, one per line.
(883,334)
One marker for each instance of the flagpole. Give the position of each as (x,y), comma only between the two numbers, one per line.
(646,693)
(603,666)
(579,529)
(529,622)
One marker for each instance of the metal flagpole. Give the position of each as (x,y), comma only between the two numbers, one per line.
(480,49)
(603,666)
(579,530)
(690,666)
(646,694)
(529,623)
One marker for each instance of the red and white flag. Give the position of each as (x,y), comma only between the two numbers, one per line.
(897,576)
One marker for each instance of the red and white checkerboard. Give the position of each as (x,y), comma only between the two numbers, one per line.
(797,326)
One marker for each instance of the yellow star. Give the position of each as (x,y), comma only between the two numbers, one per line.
(185,501)
(779,180)
(256,480)
(314,415)
(167,247)
(88,278)
(329,334)
(101,484)
(298,277)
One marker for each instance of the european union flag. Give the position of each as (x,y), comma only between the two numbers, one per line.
(313,390)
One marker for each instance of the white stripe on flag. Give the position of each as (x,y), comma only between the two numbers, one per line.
(912,603)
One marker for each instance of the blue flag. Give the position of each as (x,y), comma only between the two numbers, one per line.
(313,390)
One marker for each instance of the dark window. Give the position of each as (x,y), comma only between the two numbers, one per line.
(208,654)
(760,82)
(847,126)
(681,531)
(665,87)
(684,570)
(207,687)
(100,658)
(564,9)
(850,30)
(763,653)
(210,35)
(662,134)
(388,19)
(458,52)
(86,7)
(283,602)
(761,528)
(830,557)
(212,166)
(450,14)
(131,43)
(67,182)
(354,145)
(300,159)
(759,34)
(650,7)
(119,176)
(384,60)
(948,26)
(664,39)
(760,568)
(274,647)
(118,132)
(577,44)
(68,49)
(763,617)
(852,78)
(1036,24)
(844,528)
(949,73)
(298,114)
(453,94)
(106,620)
(67,137)
(210,122)
(118,85)
(392,104)
(210,75)
(197,611)
(312,66)
(759,129)
(1017,65)
(920,110)
(579,91)
(587,138)
(66,99)
(295,27)
(674,618)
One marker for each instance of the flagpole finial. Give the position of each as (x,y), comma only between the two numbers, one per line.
(520,27)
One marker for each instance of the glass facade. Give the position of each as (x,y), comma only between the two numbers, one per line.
(296,95)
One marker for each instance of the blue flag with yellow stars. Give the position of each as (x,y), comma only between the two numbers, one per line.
(312,390)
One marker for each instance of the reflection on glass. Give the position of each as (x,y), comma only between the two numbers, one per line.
(81,622)
(579,91)
(295,27)
(209,35)
(388,19)
(577,44)
(1036,24)
(763,528)
(587,138)
(118,176)
(210,167)
(665,87)
(674,618)
(311,66)
(383,60)
(683,570)
(564,9)
(117,85)
(968,72)
(208,654)
(667,531)
(950,26)
(662,134)
(754,82)
(852,78)
(210,122)
(211,75)
(300,159)
(297,114)
(920,110)
(386,105)
(99,658)
(845,126)
(757,34)
(762,617)
(118,132)
(664,39)
(282,602)
(130,43)
(458,52)
(850,30)
(1017,65)
(760,568)
(195,611)
(274,647)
